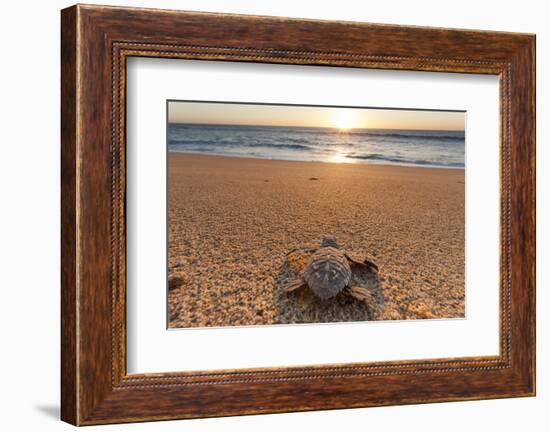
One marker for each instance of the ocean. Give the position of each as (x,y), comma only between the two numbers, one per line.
(430,148)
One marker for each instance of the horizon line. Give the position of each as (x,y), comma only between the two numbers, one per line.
(311,127)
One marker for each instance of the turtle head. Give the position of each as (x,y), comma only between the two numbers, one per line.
(329,241)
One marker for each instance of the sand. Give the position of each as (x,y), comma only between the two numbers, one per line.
(231,222)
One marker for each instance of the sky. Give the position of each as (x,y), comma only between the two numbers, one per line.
(313,116)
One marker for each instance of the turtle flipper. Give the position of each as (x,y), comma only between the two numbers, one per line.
(364,262)
(360,293)
(294,284)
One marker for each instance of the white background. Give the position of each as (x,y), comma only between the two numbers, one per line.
(29,227)
(151,348)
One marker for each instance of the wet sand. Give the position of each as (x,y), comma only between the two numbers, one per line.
(231,222)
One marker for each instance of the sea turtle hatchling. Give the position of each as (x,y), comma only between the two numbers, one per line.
(329,272)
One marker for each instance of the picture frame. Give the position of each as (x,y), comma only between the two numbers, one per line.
(96,42)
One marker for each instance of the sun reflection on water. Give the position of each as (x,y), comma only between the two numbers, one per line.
(339,156)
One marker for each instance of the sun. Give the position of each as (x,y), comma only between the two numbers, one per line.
(344,119)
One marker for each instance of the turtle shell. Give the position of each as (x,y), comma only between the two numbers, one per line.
(327,272)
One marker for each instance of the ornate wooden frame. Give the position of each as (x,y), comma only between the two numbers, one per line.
(95,42)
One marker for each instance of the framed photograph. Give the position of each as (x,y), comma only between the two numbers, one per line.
(291,197)
(263,214)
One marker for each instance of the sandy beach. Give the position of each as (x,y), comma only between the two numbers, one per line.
(231,222)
